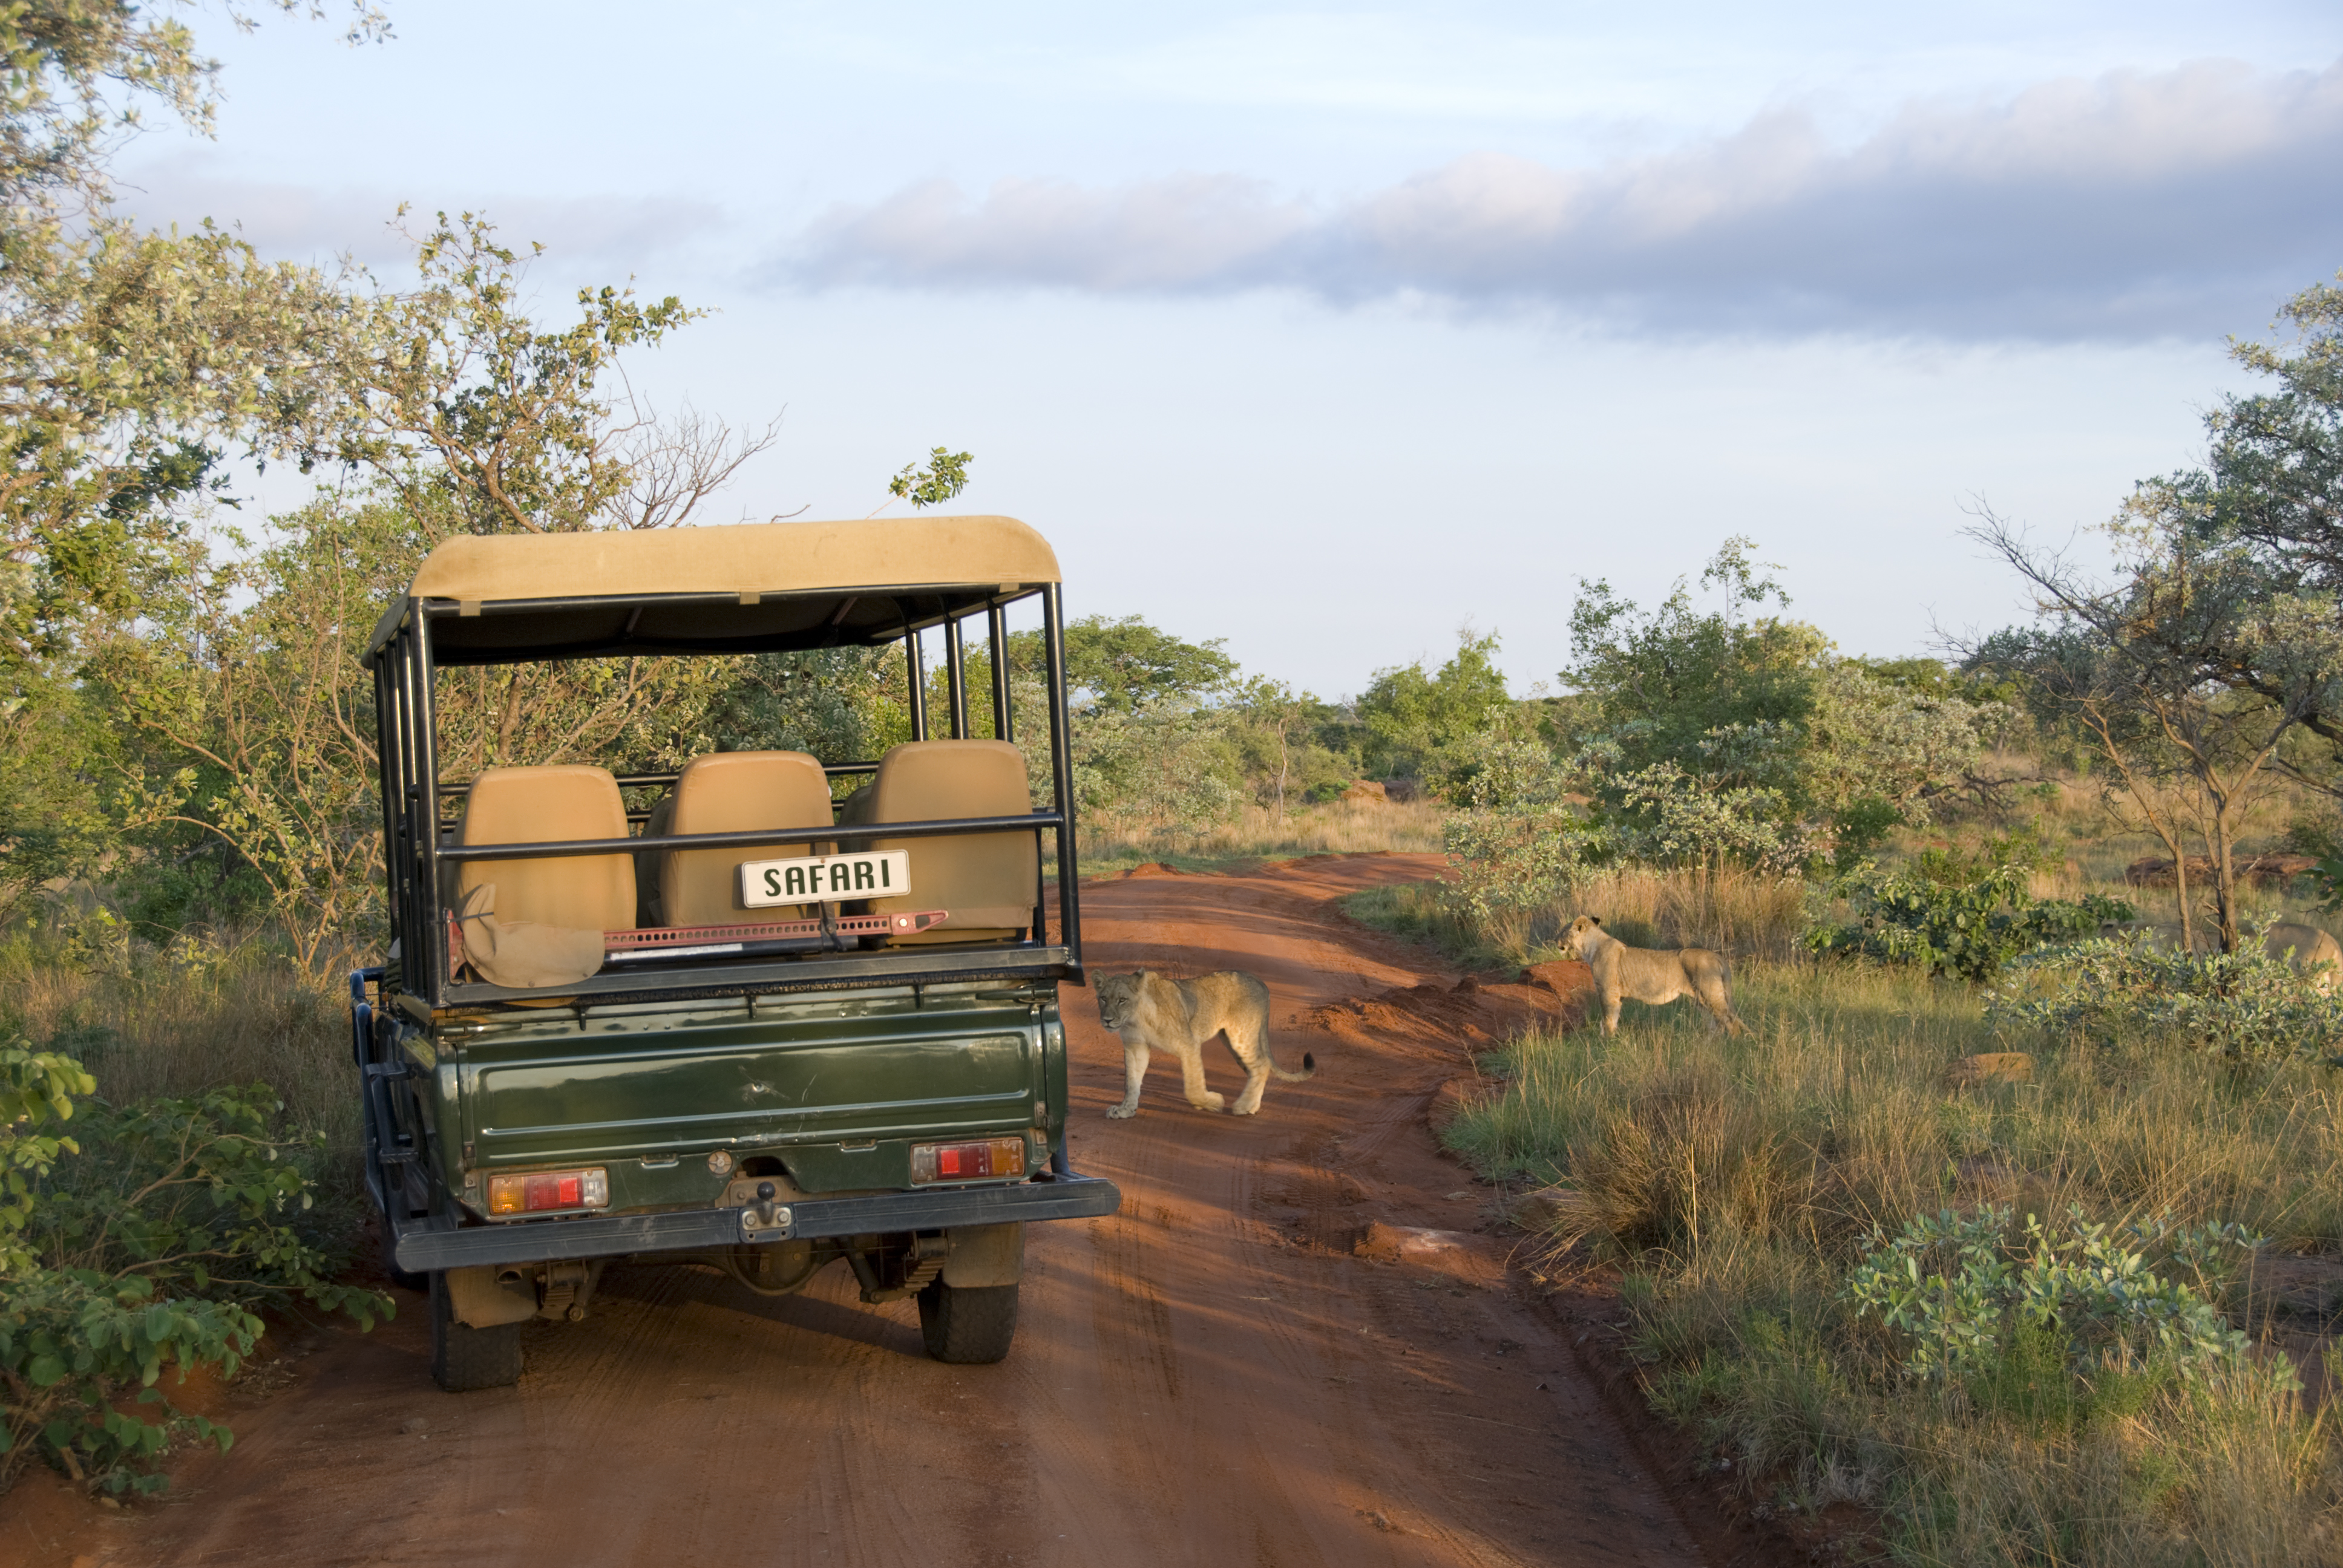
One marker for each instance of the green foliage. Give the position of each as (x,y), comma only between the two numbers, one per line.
(1956,918)
(1171,763)
(1518,839)
(150,1249)
(475,416)
(944,477)
(841,703)
(1661,681)
(1126,666)
(2245,1005)
(1662,815)
(1415,719)
(1973,1299)
(1709,733)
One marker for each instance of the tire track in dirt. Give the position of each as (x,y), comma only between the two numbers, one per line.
(1208,1377)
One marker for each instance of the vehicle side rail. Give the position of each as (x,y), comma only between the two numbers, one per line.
(424,1245)
(749,839)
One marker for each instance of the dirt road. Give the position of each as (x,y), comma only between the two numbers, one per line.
(1208,1377)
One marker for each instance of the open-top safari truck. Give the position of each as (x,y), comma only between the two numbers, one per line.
(744,1022)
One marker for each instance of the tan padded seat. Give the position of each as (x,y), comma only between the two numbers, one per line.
(735,792)
(986,881)
(542,804)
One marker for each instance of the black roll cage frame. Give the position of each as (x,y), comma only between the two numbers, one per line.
(405,672)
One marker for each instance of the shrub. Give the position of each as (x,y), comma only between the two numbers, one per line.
(148,1241)
(1967,1296)
(1518,841)
(2246,1006)
(1969,927)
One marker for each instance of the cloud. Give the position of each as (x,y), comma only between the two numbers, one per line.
(305,223)
(2129,206)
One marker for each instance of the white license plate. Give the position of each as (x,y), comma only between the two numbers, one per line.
(825,879)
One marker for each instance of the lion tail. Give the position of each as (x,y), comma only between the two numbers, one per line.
(1309,1065)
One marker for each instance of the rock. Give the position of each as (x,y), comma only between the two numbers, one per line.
(1456,1095)
(1563,1213)
(1564,977)
(1468,984)
(1450,1252)
(1367,789)
(1990,1067)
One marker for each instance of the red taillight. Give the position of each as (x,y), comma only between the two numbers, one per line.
(534,1191)
(993,1159)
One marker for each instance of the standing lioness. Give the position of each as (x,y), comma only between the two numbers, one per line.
(1652,975)
(1154,1011)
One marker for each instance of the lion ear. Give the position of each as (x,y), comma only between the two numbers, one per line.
(1596,919)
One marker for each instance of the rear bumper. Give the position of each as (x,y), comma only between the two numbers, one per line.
(427,1245)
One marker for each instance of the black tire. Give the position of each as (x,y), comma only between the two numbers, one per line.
(968,1325)
(464,1359)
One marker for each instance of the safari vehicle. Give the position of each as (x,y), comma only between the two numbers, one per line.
(740,1022)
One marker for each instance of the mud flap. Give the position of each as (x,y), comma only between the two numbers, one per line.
(984,1255)
(478,1300)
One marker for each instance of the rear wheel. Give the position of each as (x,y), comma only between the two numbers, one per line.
(968,1325)
(465,1358)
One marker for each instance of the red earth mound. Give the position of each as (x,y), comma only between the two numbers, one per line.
(1474,1013)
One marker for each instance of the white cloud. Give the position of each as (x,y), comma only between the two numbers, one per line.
(2132,205)
(306,223)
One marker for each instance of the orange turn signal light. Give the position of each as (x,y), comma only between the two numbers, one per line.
(993,1157)
(534,1191)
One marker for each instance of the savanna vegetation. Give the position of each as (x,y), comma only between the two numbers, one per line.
(2015,1223)
(2076,1318)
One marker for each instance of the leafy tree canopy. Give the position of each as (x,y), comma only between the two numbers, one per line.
(1662,679)
(1126,666)
(1413,715)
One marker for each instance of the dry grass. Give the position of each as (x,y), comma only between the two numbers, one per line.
(1730,910)
(1340,828)
(174,1022)
(1738,1180)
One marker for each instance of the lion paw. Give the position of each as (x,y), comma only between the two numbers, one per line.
(1209,1102)
(1122,1113)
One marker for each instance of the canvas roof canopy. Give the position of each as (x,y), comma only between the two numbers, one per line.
(751,588)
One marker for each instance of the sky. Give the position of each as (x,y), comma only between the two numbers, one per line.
(1332,332)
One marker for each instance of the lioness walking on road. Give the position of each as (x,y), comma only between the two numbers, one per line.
(1150,1011)
(1654,976)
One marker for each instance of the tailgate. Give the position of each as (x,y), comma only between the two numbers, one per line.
(659,1081)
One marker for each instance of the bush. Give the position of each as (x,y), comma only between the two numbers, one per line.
(2246,1006)
(148,1241)
(1968,1296)
(1969,927)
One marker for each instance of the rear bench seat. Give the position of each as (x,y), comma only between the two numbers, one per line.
(985,881)
(733,792)
(543,805)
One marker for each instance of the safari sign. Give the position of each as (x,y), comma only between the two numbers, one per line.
(825,879)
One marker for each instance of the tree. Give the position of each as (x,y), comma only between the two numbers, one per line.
(1661,681)
(2190,606)
(130,363)
(1413,717)
(1277,712)
(469,411)
(1126,666)
(1752,729)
